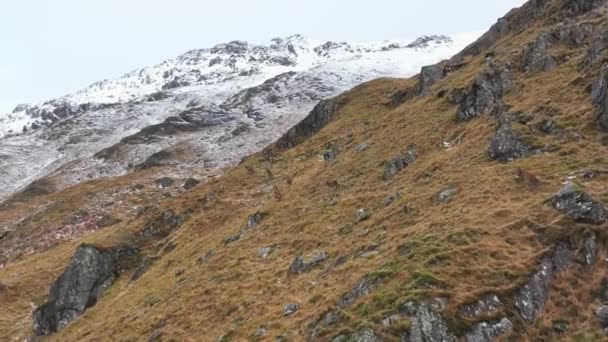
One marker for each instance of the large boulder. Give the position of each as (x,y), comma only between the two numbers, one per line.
(485,93)
(579,206)
(91,271)
(428,76)
(536,57)
(599,95)
(507,144)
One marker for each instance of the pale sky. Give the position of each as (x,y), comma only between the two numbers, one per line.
(51,47)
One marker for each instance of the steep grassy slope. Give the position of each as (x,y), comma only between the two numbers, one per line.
(487,235)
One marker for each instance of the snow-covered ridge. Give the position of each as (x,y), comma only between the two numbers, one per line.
(211,66)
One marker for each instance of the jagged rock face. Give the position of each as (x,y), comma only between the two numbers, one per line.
(581,6)
(90,272)
(486,92)
(426,322)
(507,145)
(599,95)
(318,118)
(536,56)
(579,206)
(484,306)
(365,335)
(489,331)
(532,297)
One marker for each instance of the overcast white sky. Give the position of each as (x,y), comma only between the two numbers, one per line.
(52,47)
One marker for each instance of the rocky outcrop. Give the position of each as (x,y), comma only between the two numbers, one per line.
(364,335)
(507,144)
(253,221)
(393,166)
(598,46)
(489,331)
(318,118)
(90,272)
(162,225)
(531,298)
(581,6)
(301,265)
(426,322)
(575,203)
(536,56)
(485,93)
(487,305)
(599,95)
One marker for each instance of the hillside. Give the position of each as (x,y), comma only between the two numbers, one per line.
(203,110)
(467,203)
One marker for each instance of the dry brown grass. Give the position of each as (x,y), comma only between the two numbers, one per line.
(489,238)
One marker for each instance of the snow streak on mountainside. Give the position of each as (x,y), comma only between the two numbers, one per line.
(206,108)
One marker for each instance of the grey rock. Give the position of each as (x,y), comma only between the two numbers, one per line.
(301,265)
(487,305)
(164,182)
(446,195)
(254,220)
(142,268)
(590,250)
(318,118)
(392,167)
(361,147)
(536,56)
(91,271)
(362,215)
(264,252)
(573,35)
(485,93)
(428,76)
(572,201)
(427,325)
(191,183)
(602,315)
(290,309)
(531,298)
(599,95)
(261,332)
(489,331)
(365,335)
(598,46)
(581,6)
(562,257)
(162,225)
(363,288)
(507,145)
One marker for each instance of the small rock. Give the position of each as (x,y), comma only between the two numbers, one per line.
(364,335)
(560,327)
(446,195)
(261,332)
(300,265)
(361,147)
(206,258)
(191,183)
(362,215)
(264,252)
(164,182)
(590,250)
(426,321)
(399,163)
(290,309)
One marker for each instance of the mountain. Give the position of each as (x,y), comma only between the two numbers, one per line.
(207,108)
(466,203)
